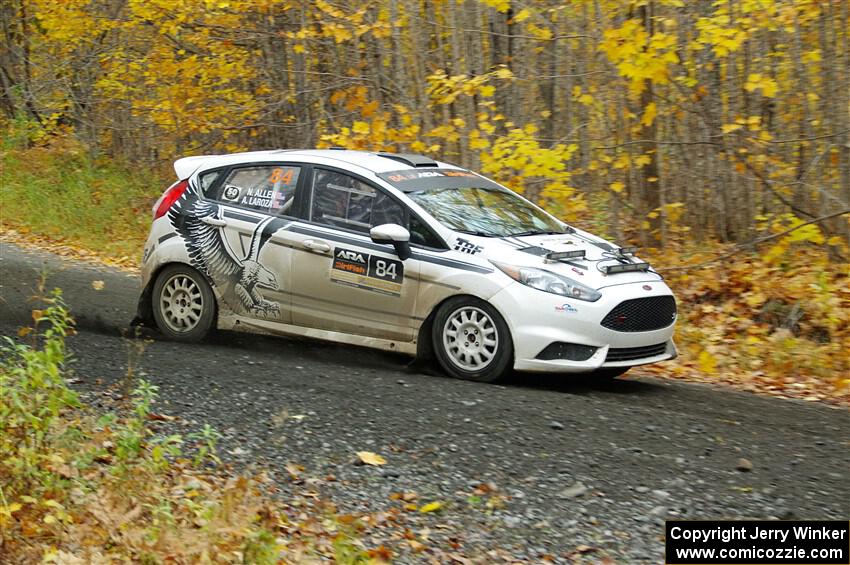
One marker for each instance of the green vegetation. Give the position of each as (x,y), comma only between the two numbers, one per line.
(76,486)
(64,195)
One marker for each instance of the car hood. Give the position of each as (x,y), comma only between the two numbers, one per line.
(529,251)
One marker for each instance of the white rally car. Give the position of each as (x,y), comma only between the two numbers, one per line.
(397,252)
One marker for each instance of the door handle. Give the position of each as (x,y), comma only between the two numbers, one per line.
(214,221)
(314,245)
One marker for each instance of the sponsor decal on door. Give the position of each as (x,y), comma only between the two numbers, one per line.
(369,272)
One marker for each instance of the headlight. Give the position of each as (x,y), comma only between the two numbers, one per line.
(547,281)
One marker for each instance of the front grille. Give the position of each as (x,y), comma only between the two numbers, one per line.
(571,351)
(632,353)
(642,314)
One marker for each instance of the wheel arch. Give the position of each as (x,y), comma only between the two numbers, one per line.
(144,308)
(424,347)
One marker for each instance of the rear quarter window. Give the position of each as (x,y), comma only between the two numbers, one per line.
(207,181)
(266,188)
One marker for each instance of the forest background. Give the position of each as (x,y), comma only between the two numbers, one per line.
(714,134)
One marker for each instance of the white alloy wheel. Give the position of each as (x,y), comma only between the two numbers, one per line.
(181,303)
(470,338)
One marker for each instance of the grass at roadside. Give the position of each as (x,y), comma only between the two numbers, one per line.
(83,487)
(61,195)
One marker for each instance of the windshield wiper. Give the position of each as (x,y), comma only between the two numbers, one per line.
(478,233)
(539,232)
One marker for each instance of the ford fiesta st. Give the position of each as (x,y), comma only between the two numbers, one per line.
(397,252)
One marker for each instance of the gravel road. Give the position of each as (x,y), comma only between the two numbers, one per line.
(568,462)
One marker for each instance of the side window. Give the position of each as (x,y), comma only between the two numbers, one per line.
(420,234)
(267,188)
(385,210)
(341,200)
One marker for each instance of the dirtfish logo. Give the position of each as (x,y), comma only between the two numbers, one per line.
(350,256)
(566,308)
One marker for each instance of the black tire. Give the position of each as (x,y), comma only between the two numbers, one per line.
(494,360)
(196,308)
(608,373)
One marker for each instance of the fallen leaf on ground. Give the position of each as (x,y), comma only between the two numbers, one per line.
(370,458)
(415,545)
(294,470)
(432,506)
(97,285)
(161,417)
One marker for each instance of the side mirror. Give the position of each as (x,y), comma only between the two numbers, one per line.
(395,235)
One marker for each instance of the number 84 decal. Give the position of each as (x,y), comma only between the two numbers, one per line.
(385,269)
(369,272)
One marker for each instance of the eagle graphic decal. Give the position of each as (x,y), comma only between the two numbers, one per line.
(200,225)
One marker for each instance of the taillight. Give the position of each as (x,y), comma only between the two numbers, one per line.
(169,198)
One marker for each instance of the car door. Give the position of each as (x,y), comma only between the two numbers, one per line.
(341,280)
(254,203)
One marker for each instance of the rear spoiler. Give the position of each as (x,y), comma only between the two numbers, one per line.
(187,165)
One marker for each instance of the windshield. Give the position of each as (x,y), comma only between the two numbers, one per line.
(489,212)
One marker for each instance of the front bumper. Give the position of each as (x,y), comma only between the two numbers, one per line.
(538,319)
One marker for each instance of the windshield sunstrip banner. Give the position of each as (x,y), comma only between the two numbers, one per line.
(412,180)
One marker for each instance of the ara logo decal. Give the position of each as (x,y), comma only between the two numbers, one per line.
(466,246)
(350,255)
(577,271)
(567,308)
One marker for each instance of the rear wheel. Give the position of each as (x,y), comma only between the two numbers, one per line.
(471,340)
(183,303)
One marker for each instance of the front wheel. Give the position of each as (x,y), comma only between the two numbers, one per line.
(183,303)
(471,340)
